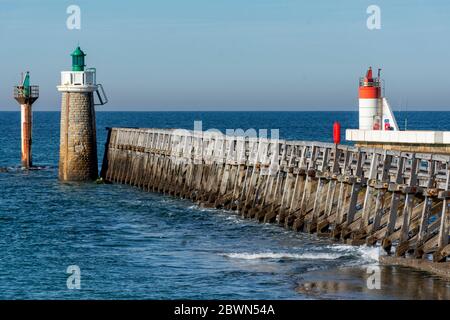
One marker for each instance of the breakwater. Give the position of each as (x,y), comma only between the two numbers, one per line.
(357,195)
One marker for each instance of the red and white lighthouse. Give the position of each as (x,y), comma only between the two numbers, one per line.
(370,102)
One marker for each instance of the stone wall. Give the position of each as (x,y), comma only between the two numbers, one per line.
(78,144)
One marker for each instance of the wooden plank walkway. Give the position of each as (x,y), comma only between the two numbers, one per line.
(398,200)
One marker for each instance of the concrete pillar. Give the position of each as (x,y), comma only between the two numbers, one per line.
(78,143)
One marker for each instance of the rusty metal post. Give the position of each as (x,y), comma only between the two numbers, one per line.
(26,126)
(26,95)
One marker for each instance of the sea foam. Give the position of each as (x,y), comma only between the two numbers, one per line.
(282,255)
(364,253)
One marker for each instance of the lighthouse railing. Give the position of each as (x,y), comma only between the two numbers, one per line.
(79,78)
(374,83)
(26,92)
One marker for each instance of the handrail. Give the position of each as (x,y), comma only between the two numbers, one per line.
(374,83)
(101,91)
(20,92)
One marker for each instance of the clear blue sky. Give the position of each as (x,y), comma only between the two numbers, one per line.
(231,54)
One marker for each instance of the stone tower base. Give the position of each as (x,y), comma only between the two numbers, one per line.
(78,143)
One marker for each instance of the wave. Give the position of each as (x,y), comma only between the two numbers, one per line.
(282,255)
(369,253)
(366,253)
(16,169)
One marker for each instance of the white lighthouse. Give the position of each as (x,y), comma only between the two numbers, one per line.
(78,142)
(378,127)
(374,110)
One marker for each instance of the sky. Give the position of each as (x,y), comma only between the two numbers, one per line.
(231,54)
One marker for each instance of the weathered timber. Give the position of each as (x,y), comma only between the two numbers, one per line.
(353,194)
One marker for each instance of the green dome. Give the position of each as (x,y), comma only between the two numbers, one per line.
(78,60)
(78,53)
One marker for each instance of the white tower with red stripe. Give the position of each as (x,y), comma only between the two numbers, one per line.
(374,110)
(370,102)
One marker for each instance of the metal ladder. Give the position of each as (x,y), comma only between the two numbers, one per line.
(101,96)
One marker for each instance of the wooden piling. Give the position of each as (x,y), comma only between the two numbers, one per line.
(356,195)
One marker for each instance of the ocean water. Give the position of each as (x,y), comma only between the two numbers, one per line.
(131,244)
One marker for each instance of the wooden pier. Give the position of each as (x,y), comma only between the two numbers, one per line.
(399,200)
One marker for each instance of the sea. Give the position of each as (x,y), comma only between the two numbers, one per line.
(123,243)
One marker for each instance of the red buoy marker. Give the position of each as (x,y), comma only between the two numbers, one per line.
(337,132)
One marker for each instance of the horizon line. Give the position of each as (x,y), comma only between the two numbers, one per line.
(209,110)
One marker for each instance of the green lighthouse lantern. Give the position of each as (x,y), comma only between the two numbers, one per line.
(78,60)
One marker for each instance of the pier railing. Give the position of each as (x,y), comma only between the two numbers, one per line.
(357,195)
